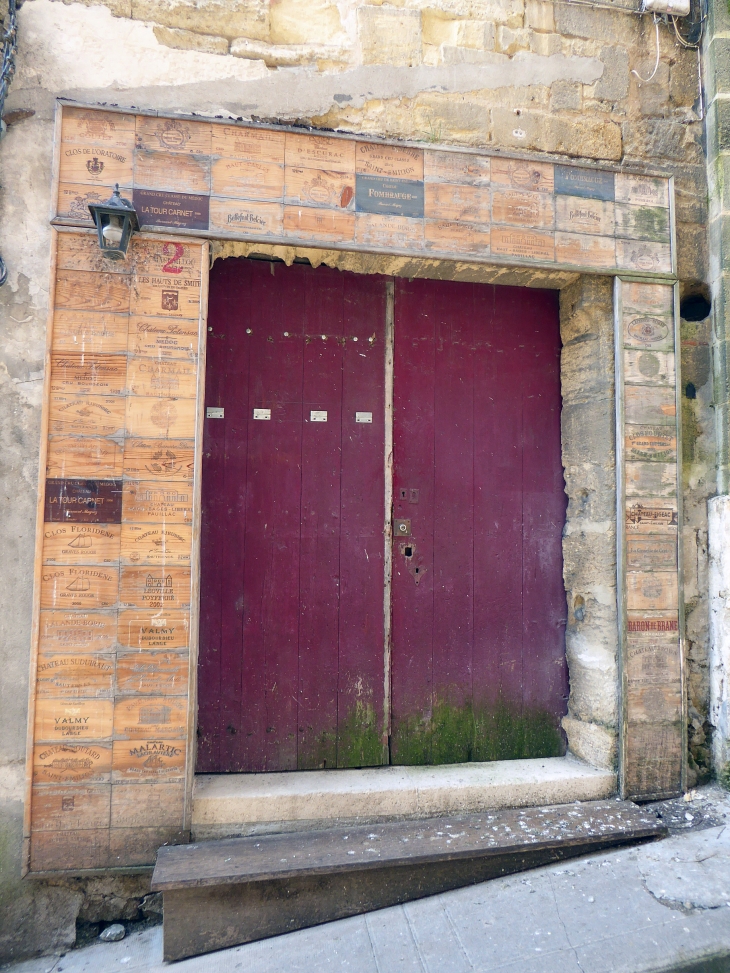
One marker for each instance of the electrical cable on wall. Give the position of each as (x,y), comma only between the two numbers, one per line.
(656,63)
(7,70)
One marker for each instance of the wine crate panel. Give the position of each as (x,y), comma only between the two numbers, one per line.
(651,647)
(117,512)
(245,182)
(111,129)
(152,630)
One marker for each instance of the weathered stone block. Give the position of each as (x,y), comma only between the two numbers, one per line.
(286,55)
(222,18)
(313,22)
(186,40)
(545,44)
(565,95)
(684,86)
(509,40)
(540,16)
(596,744)
(653,96)
(692,253)
(594,679)
(614,84)
(389,35)
(588,21)
(478,34)
(464,55)
(662,139)
(438,28)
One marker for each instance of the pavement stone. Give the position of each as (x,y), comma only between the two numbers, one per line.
(655,907)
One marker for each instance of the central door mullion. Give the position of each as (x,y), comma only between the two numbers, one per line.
(388,524)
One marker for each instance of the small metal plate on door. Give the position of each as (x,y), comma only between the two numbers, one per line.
(363,417)
(317,416)
(213,412)
(262,413)
(401,528)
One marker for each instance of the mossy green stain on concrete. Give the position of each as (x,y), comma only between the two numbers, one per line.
(460,734)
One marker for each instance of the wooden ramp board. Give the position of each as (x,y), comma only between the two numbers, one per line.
(237,890)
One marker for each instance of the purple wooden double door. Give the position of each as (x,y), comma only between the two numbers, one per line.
(313,651)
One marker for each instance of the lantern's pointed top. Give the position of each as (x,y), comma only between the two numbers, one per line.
(118,201)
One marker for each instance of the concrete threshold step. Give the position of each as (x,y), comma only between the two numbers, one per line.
(228,805)
(235,890)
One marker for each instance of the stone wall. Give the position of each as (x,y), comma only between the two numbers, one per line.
(522,75)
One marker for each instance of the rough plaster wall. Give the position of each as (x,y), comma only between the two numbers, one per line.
(589,539)
(518,74)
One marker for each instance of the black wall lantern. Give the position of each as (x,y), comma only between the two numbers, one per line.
(116,221)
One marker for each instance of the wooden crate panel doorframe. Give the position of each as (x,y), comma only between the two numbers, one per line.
(111,726)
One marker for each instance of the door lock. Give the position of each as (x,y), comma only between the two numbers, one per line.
(401,528)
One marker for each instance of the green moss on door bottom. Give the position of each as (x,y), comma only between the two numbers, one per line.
(357,743)
(460,734)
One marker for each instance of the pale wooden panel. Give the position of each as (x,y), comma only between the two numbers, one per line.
(651,479)
(651,515)
(256,144)
(139,846)
(68,763)
(156,543)
(62,720)
(85,415)
(92,458)
(523,209)
(651,552)
(75,374)
(653,703)
(158,296)
(456,167)
(397,232)
(651,443)
(536,177)
(649,367)
(80,251)
(81,543)
(650,405)
(57,850)
(642,222)
(575,214)
(653,759)
(651,590)
(64,676)
(151,376)
(176,135)
(146,717)
(642,190)
(153,502)
(243,179)
(648,331)
(319,152)
(152,673)
(172,172)
(152,759)
(89,333)
(528,244)
(166,258)
(317,224)
(648,298)
(82,291)
(468,204)
(150,630)
(77,631)
(647,258)
(163,338)
(449,236)
(171,460)
(242,218)
(394,161)
(156,588)
(319,187)
(134,806)
(582,250)
(70,808)
(95,164)
(160,418)
(102,127)
(72,586)
(74,199)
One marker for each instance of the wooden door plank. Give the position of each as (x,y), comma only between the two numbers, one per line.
(360,687)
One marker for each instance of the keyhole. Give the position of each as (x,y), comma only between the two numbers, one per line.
(409,553)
